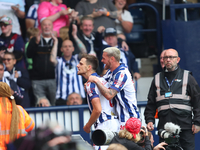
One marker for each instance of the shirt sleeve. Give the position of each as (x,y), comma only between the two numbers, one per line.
(79,9)
(150,109)
(111,6)
(119,81)
(32,12)
(126,16)
(43,11)
(91,91)
(21,5)
(19,48)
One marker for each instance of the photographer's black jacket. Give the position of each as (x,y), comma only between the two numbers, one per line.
(174,109)
(130,145)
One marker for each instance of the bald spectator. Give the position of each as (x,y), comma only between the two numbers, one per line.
(74,99)
(66,73)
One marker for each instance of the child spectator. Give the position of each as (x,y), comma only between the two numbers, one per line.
(64,33)
(31,32)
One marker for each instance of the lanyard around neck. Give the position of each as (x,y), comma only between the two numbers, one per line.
(169,84)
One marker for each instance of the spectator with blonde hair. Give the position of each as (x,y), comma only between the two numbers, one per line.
(14,119)
(131,135)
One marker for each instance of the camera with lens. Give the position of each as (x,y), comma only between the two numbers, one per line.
(170,134)
(103,137)
(142,140)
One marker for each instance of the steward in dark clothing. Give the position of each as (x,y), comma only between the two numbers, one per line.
(176,95)
(176,115)
(178,107)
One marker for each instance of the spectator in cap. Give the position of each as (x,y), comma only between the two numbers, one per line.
(11,42)
(130,135)
(13,9)
(127,57)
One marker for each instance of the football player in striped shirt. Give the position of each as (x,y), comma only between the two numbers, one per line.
(102,110)
(121,87)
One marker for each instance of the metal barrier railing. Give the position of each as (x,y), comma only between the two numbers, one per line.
(72,118)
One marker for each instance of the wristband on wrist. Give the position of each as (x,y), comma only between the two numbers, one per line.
(108,13)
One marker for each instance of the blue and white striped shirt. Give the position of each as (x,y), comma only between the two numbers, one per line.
(32,14)
(125,101)
(108,111)
(67,80)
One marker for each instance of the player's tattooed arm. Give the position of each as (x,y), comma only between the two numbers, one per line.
(106,92)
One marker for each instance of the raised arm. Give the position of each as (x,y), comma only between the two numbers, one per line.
(18,12)
(54,50)
(79,43)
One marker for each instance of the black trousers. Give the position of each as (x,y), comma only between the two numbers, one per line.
(187,140)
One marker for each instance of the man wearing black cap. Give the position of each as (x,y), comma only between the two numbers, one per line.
(127,57)
(11,42)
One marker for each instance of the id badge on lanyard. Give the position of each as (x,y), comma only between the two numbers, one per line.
(168,94)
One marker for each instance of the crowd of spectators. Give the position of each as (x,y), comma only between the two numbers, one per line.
(43,65)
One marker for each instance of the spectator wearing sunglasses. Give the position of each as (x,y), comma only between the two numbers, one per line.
(14,88)
(19,75)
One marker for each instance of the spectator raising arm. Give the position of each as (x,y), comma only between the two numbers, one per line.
(18,12)
(54,51)
(79,43)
